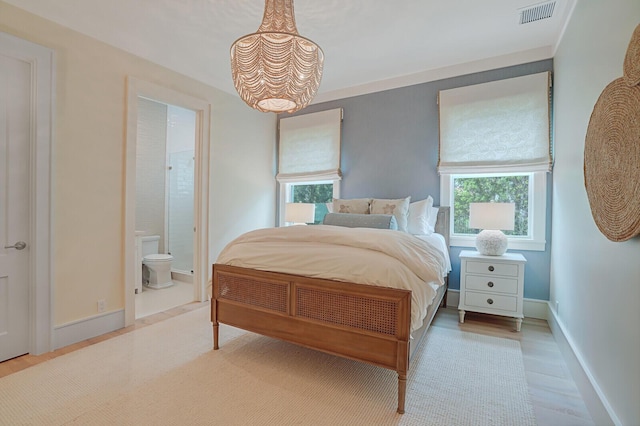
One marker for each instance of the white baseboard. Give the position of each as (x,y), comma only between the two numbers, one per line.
(185,277)
(597,404)
(532,308)
(77,331)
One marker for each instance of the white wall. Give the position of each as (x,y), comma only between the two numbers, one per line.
(88,170)
(242,174)
(595,282)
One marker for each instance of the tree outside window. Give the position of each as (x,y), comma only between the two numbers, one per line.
(495,188)
(319,194)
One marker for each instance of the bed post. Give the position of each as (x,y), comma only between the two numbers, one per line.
(402,391)
(443,227)
(214,309)
(215,336)
(403,365)
(214,320)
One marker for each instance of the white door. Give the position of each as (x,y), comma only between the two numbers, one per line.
(15,96)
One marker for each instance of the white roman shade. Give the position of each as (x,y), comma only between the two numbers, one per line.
(309,147)
(495,127)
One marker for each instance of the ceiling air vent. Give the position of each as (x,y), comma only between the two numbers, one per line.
(537,12)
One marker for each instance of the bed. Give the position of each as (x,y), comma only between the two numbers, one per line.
(375,324)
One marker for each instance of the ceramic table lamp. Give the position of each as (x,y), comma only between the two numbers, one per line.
(299,213)
(492,218)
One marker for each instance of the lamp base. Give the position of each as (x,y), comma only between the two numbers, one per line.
(491,243)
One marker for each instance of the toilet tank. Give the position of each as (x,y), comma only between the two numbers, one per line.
(150,244)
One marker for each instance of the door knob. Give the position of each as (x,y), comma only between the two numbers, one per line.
(20,245)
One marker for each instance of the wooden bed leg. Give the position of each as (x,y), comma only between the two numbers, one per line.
(402,391)
(446,292)
(215,336)
(214,317)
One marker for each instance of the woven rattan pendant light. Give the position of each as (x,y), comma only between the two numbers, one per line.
(275,69)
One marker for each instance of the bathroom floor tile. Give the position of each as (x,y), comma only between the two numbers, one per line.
(152,301)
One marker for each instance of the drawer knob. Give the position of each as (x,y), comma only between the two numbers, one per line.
(490,283)
(491,268)
(490,301)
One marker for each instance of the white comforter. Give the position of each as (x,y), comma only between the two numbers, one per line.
(379,257)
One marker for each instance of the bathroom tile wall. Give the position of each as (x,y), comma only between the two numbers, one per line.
(181,134)
(181,210)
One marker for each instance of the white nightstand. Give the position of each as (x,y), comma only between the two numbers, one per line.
(492,284)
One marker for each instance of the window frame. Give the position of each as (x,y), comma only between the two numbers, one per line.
(286,191)
(536,241)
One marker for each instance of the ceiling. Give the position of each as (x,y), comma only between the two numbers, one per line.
(369,45)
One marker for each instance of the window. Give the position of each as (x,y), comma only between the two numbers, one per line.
(491,188)
(526,190)
(495,145)
(318,193)
(309,160)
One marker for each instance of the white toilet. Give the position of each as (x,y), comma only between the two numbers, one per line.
(156,268)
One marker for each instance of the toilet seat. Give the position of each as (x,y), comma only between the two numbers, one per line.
(158,258)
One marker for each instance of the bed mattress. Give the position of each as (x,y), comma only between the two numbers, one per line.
(378,257)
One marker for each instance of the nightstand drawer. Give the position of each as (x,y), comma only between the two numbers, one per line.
(491,301)
(493,284)
(509,270)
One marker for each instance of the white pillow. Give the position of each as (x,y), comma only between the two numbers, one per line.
(399,208)
(433,217)
(418,220)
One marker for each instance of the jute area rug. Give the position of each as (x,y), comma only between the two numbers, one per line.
(167,374)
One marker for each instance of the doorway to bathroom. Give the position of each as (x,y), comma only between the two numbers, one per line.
(166,199)
(165,160)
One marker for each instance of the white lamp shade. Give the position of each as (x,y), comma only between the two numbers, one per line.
(497,216)
(299,212)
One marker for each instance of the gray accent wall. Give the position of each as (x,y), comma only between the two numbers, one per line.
(390,150)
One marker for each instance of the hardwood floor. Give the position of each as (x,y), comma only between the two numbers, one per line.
(555,398)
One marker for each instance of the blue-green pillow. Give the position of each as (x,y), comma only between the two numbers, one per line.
(354,220)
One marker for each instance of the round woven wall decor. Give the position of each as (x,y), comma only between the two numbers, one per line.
(612,161)
(632,60)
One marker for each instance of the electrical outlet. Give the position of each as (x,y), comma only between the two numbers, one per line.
(102,305)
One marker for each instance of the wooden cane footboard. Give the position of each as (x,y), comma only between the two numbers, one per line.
(361,322)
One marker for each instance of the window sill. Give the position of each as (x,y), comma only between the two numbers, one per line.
(515,244)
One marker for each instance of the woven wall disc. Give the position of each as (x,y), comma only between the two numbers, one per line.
(632,60)
(612,161)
